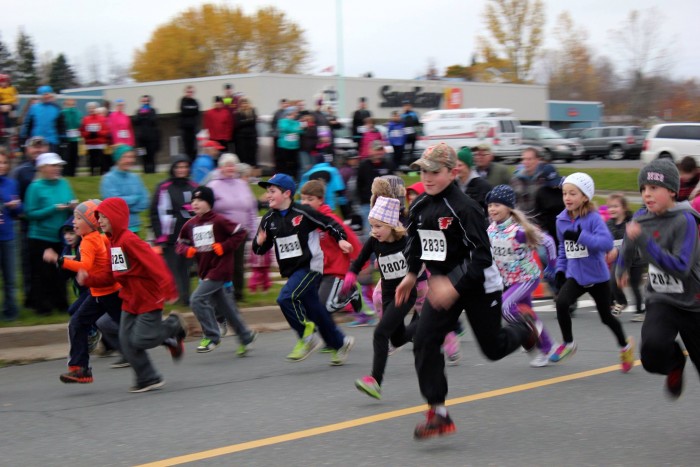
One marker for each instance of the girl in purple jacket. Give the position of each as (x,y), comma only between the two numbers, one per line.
(584,239)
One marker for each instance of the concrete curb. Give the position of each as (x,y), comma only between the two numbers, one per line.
(27,344)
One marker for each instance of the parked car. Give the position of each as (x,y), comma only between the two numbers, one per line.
(570,133)
(613,142)
(472,127)
(673,141)
(553,145)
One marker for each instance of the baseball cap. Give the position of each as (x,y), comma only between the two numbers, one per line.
(283,181)
(37,141)
(49,158)
(435,157)
(213,144)
(482,147)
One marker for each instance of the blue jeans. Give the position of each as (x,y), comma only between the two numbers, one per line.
(85,318)
(299,302)
(9,279)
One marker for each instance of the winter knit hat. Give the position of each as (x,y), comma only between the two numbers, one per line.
(660,172)
(386,210)
(583,182)
(502,194)
(205,194)
(86,211)
(119,151)
(465,155)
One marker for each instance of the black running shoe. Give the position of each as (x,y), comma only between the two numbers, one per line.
(434,425)
(148,386)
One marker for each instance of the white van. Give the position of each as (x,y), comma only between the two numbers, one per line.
(471,127)
(672,140)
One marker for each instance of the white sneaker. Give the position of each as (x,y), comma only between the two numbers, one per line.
(542,359)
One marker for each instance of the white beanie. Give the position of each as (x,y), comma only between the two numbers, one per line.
(583,182)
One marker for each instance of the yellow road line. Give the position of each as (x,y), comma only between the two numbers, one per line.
(259,443)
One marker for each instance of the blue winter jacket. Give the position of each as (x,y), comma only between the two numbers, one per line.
(397,137)
(331,176)
(201,167)
(597,240)
(129,187)
(44,119)
(8,191)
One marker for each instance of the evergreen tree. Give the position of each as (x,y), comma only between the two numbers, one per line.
(62,75)
(7,64)
(26,78)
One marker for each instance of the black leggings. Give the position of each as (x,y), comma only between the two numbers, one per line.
(635,281)
(570,292)
(660,351)
(391,328)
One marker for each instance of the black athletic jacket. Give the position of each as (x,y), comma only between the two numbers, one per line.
(467,251)
(304,250)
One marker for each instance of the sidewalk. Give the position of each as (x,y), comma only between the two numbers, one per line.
(20,345)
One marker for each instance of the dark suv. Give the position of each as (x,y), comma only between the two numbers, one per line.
(613,142)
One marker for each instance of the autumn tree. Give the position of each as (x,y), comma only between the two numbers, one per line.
(218,39)
(25,76)
(515,29)
(572,73)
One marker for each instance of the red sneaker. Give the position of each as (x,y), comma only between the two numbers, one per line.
(674,381)
(434,425)
(77,374)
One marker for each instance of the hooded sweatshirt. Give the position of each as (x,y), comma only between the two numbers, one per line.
(145,279)
(170,205)
(203,231)
(95,259)
(669,242)
(584,260)
(335,262)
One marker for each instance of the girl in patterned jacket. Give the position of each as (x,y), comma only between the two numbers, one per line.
(514,240)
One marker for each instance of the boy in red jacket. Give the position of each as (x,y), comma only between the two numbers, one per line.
(212,239)
(146,285)
(335,262)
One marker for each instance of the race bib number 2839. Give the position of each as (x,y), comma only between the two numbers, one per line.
(433,245)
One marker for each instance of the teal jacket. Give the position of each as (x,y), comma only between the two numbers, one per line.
(45,220)
(129,187)
(72,118)
(289,131)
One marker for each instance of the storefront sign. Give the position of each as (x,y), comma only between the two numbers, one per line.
(425,100)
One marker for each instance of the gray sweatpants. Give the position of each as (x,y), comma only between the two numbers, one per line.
(209,291)
(137,333)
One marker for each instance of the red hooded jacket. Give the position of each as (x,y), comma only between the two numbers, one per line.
(145,279)
(335,262)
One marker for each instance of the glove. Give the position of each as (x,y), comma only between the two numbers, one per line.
(560,279)
(573,235)
(218,249)
(348,283)
(191,251)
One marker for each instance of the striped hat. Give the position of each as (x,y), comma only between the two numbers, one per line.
(86,211)
(386,210)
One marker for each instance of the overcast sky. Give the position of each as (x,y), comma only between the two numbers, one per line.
(390,38)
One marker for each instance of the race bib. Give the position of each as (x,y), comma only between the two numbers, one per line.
(502,250)
(291,137)
(617,243)
(288,247)
(203,236)
(664,282)
(123,134)
(433,245)
(118,259)
(575,250)
(93,127)
(408,130)
(73,133)
(396,133)
(393,266)
(361,129)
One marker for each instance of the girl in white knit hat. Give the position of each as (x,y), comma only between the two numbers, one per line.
(387,242)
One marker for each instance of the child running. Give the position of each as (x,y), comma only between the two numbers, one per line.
(666,234)
(211,239)
(146,285)
(447,232)
(514,240)
(103,298)
(387,242)
(583,242)
(292,229)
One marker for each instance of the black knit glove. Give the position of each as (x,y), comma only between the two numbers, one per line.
(573,235)
(560,279)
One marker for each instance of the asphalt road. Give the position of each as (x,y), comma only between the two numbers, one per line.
(260,410)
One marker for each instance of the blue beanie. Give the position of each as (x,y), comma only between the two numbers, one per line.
(502,194)
(44,90)
(119,151)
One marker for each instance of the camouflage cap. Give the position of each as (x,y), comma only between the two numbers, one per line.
(436,157)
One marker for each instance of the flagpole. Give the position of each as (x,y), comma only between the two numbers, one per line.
(340,111)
